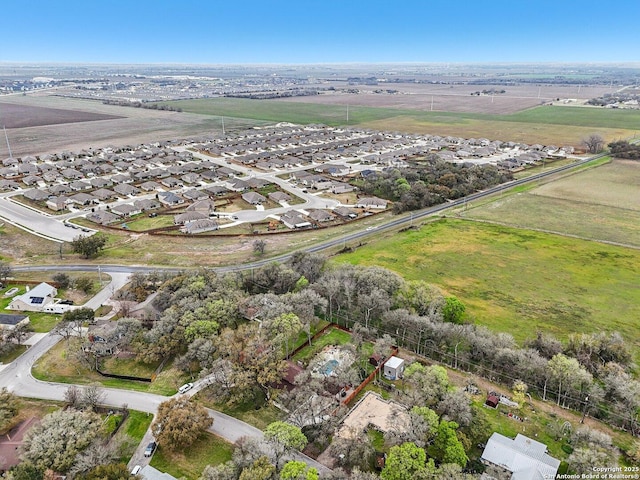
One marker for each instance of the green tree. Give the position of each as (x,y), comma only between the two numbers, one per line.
(79,315)
(453,310)
(89,246)
(284,438)
(406,461)
(296,470)
(447,447)
(56,441)
(5,271)
(84,284)
(62,279)
(26,470)
(8,408)
(285,328)
(261,469)
(200,329)
(179,422)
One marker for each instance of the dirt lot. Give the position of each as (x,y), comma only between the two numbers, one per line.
(457,98)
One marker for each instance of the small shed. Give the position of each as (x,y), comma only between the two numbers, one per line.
(394,368)
(492,401)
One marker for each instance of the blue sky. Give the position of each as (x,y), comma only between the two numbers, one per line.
(319,31)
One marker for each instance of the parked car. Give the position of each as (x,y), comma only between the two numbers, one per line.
(185,388)
(136,470)
(150,449)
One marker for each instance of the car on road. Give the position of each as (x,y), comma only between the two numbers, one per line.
(372,228)
(234,217)
(136,470)
(185,388)
(150,449)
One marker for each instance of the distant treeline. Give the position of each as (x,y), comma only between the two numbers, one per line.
(273,94)
(624,149)
(150,106)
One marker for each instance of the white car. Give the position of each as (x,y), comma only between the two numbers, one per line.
(185,388)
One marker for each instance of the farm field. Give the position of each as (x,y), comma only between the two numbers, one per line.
(127,126)
(601,204)
(518,281)
(536,125)
(17,116)
(456,98)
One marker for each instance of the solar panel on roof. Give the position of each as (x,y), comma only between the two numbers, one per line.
(36,300)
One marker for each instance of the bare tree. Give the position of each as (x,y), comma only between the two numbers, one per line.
(92,396)
(72,396)
(594,143)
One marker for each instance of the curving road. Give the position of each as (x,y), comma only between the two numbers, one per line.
(17,378)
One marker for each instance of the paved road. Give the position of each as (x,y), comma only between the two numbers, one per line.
(18,379)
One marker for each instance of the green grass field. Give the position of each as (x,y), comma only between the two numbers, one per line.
(518,281)
(208,450)
(598,203)
(535,125)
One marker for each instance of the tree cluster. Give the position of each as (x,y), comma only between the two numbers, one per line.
(624,149)
(432,181)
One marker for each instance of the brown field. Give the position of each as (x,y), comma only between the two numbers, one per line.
(456,98)
(127,126)
(20,116)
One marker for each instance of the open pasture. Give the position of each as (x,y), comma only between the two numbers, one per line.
(518,281)
(601,204)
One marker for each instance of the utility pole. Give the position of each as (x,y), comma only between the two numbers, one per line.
(7,139)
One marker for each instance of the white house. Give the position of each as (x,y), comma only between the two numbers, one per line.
(394,368)
(35,299)
(524,458)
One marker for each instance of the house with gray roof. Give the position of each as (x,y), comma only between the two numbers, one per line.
(103,194)
(170,199)
(254,198)
(524,458)
(279,197)
(199,226)
(35,299)
(102,217)
(371,202)
(187,217)
(126,210)
(293,219)
(126,190)
(36,195)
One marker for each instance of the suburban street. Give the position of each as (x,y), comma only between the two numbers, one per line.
(17,378)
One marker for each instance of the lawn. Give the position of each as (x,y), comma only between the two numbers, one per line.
(518,281)
(58,365)
(132,432)
(332,336)
(259,414)
(13,354)
(208,450)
